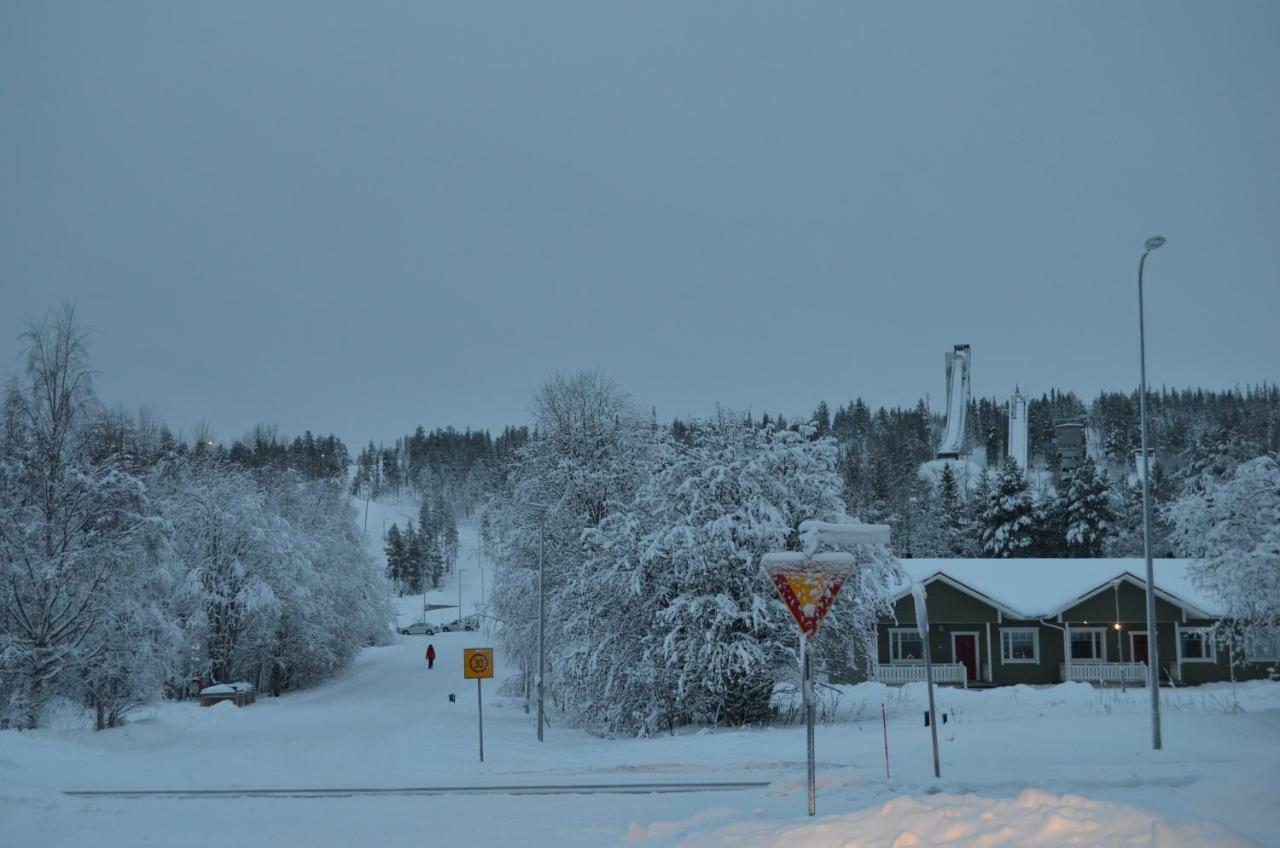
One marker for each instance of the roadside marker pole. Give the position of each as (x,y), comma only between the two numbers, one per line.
(884,720)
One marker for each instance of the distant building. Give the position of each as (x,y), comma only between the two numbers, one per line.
(1018,429)
(1137,462)
(1070,444)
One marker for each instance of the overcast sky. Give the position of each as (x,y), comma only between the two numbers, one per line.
(361,217)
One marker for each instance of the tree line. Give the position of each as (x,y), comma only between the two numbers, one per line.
(136,565)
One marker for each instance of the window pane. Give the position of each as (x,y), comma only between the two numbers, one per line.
(908,646)
(1086,646)
(1019,645)
(1193,645)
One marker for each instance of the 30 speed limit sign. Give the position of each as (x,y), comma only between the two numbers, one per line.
(477,663)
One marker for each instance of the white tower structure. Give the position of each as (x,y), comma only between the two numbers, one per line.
(953,439)
(1018,429)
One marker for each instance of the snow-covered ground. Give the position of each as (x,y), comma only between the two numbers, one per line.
(388,722)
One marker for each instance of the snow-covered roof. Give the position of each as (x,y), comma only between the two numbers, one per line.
(1042,588)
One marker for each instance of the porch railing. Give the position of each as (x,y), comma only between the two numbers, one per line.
(1091,671)
(899,673)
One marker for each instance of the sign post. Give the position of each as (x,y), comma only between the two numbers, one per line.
(477,664)
(808,585)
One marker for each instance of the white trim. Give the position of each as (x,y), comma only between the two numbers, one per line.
(977,650)
(892,644)
(991,670)
(1035,646)
(1103,631)
(1211,649)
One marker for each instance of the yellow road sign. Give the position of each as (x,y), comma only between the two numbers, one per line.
(477,663)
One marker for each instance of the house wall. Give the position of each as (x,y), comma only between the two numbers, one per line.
(952,610)
(1045,671)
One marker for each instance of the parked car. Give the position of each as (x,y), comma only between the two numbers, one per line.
(471,622)
(419,628)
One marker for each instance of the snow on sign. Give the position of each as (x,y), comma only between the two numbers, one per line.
(477,663)
(808,585)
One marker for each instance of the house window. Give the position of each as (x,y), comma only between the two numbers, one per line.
(1021,645)
(1262,647)
(1089,644)
(1195,644)
(906,646)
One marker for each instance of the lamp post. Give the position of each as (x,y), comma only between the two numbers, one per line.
(1153,653)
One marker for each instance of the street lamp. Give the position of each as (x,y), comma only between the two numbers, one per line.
(1153,653)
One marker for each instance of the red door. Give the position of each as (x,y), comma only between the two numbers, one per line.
(967,653)
(1140,648)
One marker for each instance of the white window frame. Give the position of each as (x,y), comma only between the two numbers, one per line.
(1270,654)
(1099,638)
(1035,646)
(1211,649)
(893,644)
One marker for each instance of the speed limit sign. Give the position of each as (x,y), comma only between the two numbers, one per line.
(477,663)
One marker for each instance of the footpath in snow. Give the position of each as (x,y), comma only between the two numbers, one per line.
(1062,765)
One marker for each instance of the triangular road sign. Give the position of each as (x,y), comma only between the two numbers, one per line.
(808,585)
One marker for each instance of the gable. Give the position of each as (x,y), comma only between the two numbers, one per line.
(948,601)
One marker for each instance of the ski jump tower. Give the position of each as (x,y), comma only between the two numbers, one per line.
(953,439)
(1018,429)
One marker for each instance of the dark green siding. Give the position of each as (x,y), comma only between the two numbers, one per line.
(946,605)
(1132,601)
(1045,671)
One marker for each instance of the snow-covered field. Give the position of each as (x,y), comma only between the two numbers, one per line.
(1064,765)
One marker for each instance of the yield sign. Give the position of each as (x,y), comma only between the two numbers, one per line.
(808,585)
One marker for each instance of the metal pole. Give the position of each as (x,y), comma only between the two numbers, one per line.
(806,660)
(542,619)
(933,709)
(480,715)
(1153,653)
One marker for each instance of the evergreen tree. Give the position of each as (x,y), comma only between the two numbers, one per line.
(1089,517)
(395,549)
(1007,523)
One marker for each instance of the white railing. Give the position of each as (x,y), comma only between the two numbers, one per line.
(900,673)
(1089,671)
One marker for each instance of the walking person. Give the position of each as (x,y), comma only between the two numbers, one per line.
(431,657)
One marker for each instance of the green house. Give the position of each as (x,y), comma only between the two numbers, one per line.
(996,622)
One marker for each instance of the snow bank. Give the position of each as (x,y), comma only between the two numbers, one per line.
(1031,820)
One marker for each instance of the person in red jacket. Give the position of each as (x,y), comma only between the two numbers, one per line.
(431,656)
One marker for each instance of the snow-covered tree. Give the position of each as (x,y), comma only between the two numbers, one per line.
(74,528)
(1089,517)
(1231,527)
(670,619)
(1007,522)
(585,460)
